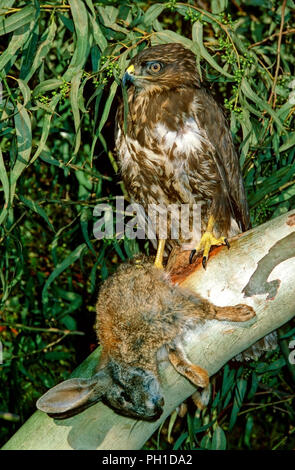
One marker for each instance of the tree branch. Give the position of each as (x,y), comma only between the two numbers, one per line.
(258,269)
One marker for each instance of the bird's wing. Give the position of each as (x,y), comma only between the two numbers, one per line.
(210,117)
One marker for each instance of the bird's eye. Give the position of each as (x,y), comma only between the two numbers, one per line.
(155,67)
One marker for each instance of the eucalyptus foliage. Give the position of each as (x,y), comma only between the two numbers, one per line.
(61,65)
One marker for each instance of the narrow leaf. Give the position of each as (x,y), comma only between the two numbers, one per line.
(218,439)
(33,205)
(24,145)
(5,183)
(152,13)
(17,20)
(74,256)
(74,93)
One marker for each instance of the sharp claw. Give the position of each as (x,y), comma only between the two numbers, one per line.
(227,243)
(204,262)
(191,256)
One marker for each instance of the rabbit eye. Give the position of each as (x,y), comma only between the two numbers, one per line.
(124,396)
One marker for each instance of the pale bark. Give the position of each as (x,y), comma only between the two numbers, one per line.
(267,255)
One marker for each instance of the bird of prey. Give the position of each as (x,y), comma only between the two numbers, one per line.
(175,146)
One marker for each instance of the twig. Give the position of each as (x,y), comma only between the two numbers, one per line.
(269,38)
(221,25)
(49,8)
(264,405)
(273,96)
(46,330)
(37,351)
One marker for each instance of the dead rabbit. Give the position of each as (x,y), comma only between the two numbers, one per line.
(139,313)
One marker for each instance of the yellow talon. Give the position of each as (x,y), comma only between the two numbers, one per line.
(160,254)
(207,241)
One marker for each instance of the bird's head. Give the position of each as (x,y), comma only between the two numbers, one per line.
(166,66)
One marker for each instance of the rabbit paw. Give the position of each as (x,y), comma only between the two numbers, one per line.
(237,313)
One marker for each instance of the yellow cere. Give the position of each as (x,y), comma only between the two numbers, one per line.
(130,69)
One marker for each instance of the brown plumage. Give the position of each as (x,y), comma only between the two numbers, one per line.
(140,314)
(178,147)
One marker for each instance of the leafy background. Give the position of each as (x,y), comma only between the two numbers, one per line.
(61,64)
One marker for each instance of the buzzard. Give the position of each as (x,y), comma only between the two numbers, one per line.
(175,147)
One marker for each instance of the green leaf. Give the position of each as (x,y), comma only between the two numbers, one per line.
(93,276)
(97,33)
(24,146)
(109,15)
(180,441)
(69,322)
(289,141)
(17,20)
(36,208)
(227,381)
(74,94)
(172,420)
(275,366)
(5,183)
(248,430)
(238,401)
(47,85)
(190,425)
(254,386)
(46,43)
(267,186)
(68,261)
(203,428)
(206,442)
(82,46)
(29,51)
(57,355)
(250,93)
(218,439)
(106,111)
(152,13)
(46,127)
(285,195)
(69,24)
(166,36)
(26,92)
(198,34)
(5,4)
(17,41)
(218,6)
(84,219)
(118,250)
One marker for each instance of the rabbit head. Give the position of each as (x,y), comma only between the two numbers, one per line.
(134,392)
(131,391)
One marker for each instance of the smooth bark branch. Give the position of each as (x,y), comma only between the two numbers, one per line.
(259,269)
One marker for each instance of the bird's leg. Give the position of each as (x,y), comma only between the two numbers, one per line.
(207,241)
(160,254)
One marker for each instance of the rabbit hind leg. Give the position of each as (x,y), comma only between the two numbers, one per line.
(195,374)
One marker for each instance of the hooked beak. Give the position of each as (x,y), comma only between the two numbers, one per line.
(128,75)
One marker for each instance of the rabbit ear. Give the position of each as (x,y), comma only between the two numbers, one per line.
(74,395)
